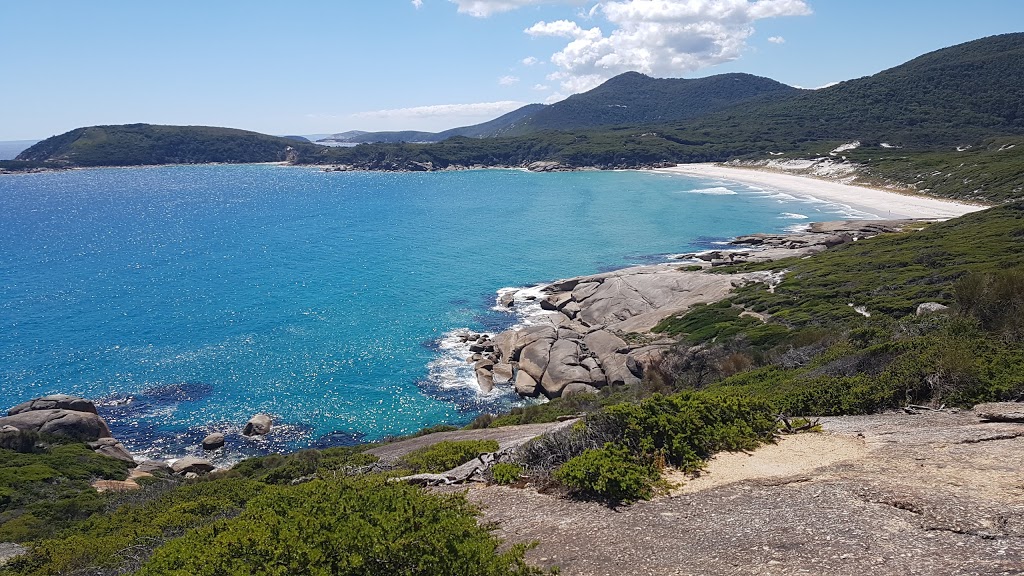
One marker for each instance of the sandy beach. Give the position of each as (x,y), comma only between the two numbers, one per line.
(879,203)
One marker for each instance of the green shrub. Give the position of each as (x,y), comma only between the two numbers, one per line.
(611,474)
(279,469)
(347,527)
(447,454)
(506,473)
(689,427)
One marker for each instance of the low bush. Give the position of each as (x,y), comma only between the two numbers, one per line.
(506,473)
(611,474)
(447,454)
(346,527)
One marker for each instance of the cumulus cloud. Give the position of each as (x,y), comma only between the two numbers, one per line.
(460,110)
(776,39)
(417,3)
(656,37)
(541,87)
(508,80)
(530,61)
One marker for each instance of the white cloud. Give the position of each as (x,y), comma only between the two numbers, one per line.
(461,110)
(484,8)
(657,37)
(508,80)
(826,85)
(776,39)
(541,87)
(417,3)
(530,61)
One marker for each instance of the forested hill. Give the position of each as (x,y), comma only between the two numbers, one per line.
(147,144)
(633,99)
(953,96)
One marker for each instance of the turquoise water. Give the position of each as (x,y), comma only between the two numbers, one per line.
(188,298)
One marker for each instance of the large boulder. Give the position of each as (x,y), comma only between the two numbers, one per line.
(111,448)
(534,358)
(155,467)
(55,402)
(577,388)
(213,441)
(527,336)
(502,372)
(485,380)
(84,426)
(612,352)
(258,425)
(526,385)
(565,366)
(192,465)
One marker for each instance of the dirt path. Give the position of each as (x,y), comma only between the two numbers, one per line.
(506,437)
(891,494)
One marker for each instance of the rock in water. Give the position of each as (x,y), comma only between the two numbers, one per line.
(213,441)
(192,465)
(258,425)
(55,402)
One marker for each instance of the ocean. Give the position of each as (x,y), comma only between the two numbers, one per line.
(185,299)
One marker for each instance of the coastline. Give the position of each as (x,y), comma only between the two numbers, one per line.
(883,204)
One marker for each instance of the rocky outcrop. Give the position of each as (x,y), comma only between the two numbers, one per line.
(84,426)
(581,345)
(258,425)
(55,402)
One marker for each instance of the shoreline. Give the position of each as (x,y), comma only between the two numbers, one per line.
(884,204)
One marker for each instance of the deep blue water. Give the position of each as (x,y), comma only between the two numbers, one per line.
(189,298)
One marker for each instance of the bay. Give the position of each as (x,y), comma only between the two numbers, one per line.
(188,298)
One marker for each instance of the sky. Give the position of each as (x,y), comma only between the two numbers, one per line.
(320,67)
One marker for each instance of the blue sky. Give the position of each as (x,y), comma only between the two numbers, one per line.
(322,67)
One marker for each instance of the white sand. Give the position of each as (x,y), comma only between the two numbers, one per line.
(879,203)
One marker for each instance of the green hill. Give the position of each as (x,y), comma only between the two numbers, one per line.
(147,144)
(635,99)
(501,125)
(953,96)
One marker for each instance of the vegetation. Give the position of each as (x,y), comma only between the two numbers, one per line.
(146,144)
(48,488)
(447,454)
(506,473)
(613,474)
(346,526)
(312,512)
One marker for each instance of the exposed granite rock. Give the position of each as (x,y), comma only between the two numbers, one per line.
(931,308)
(1001,411)
(72,424)
(55,402)
(213,441)
(10,551)
(258,425)
(192,465)
(155,467)
(526,385)
(111,448)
